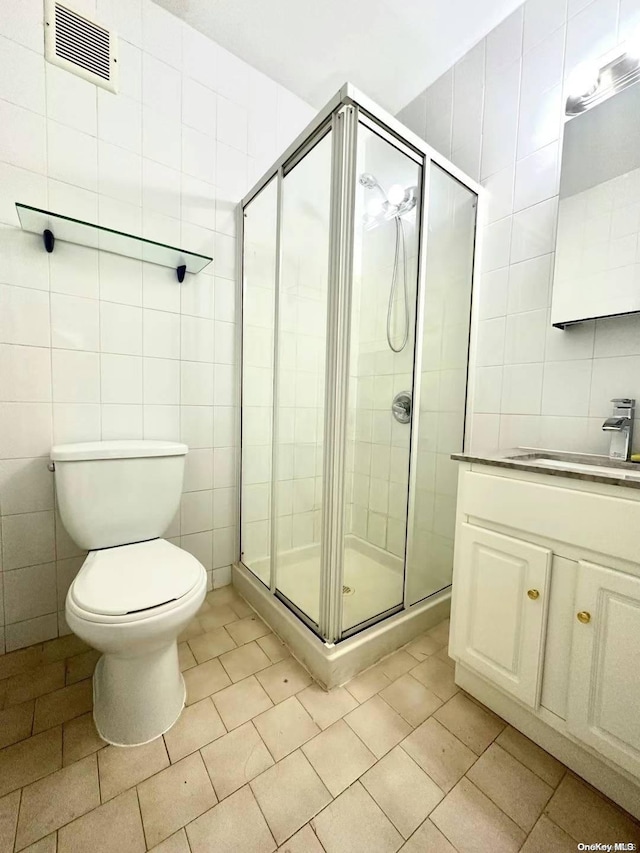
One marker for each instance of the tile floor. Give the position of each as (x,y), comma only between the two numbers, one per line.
(263,760)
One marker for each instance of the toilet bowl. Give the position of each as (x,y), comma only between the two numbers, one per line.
(135,592)
(130,603)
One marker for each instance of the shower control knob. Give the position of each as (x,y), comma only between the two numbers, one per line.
(401,407)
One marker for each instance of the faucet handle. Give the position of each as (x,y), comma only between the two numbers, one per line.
(624,402)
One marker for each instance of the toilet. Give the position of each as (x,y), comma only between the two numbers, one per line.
(135,592)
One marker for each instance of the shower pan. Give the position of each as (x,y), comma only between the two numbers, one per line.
(357,253)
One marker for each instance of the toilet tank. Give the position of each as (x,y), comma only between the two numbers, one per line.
(118,492)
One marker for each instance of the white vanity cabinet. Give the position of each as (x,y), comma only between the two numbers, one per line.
(603,701)
(545,623)
(499,617)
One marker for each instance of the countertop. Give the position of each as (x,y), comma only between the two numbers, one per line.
(626,474)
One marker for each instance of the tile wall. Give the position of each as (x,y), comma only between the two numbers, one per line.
(498,113)
(94,346)
(378,472)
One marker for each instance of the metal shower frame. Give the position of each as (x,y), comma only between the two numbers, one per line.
(340,117)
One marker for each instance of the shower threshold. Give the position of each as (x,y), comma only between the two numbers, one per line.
(333,664)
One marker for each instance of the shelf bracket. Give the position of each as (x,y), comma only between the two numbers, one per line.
(49,240)
(180,272)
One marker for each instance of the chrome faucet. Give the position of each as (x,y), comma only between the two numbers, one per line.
(620,424)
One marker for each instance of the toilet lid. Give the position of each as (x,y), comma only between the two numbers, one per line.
(130,578)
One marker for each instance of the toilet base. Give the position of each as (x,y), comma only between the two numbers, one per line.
(137,699)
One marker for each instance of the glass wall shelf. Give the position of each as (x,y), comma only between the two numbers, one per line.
(55,226)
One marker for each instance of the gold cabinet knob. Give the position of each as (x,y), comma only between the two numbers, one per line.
(533,594)
(584,617)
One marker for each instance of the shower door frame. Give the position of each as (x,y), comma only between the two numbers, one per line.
(340,117)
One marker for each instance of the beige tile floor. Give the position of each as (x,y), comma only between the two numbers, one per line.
(262,759)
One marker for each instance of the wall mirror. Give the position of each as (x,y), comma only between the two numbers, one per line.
(597,262)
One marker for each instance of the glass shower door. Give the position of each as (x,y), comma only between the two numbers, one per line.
(446,318)
(383,315)
(258,324)
(300,377)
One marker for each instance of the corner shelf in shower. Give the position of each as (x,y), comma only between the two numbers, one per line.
(55,226)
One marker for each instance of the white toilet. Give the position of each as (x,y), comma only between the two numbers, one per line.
(135,592)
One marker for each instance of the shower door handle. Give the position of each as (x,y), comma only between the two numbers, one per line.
(401,407)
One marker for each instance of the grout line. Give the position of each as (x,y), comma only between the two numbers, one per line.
(186,836)
(537,821)
(199,751)
(381,807)
(537,775)
(312,828)
(428,820)
(15,835)
(101,801)
(248,785)
(489,797)
(144,834)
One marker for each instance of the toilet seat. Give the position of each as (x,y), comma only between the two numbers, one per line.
(133,582)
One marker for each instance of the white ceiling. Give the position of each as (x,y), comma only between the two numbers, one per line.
(391,49)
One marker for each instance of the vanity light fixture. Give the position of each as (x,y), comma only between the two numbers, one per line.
(590,87)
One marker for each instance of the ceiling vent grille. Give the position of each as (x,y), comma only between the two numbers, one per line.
(80,45)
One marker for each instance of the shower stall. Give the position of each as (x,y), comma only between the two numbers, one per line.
(357,261)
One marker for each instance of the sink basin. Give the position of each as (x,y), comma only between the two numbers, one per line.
(580,463)
(588,468)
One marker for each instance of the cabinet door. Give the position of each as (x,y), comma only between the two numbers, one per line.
(500,591)
(603,706)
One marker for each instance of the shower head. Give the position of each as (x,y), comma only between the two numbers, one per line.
(370,182)
(392,205)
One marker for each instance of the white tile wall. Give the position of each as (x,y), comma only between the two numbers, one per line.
(379,448)
(535,385)
(97,346)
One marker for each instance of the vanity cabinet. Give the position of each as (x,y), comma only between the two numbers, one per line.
(603,701)
(545,619)
(501,598)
